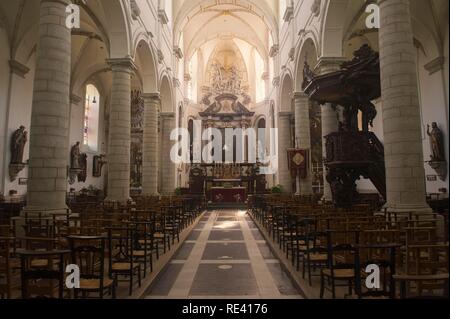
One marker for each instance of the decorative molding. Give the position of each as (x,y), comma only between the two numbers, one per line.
(178,52)
(75,99)
(265,76)
(163,16)
(160,56)
(292,54)
(18,68)
(122,62)
(135,10)
(325,62)
(435,65)
(276,81)
(288,14)
(187,77)
(274,50)
(315,8)
(176,83)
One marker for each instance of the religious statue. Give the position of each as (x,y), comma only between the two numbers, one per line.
(75,156)
(308,75)
(82,175)
(436,143)
(18,141)
(99,162)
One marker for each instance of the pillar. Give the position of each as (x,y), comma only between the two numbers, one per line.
(284,137)
(49,131)
(405,174)
(119,147)
(303,138)
(168,165)
(150,157)
(329,118)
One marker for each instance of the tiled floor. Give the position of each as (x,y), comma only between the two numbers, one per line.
(225,256)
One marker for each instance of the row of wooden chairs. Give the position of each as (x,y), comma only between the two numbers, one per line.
(108,242)
(338,246)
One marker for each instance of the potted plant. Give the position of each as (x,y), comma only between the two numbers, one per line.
(277,189)
(178,191)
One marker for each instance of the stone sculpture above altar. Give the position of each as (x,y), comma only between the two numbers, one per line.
(227,92)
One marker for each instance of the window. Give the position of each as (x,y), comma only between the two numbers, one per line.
(91,118)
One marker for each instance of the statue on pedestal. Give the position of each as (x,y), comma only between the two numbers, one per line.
(18,141)
(436,143)
(438,161)
(75,156)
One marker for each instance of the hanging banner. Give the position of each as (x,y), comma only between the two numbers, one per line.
(298,160)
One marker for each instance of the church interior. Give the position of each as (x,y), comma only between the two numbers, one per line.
(214,149)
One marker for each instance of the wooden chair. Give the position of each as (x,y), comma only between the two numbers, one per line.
(144,243)
(341,263)
(122,259)
(39,282)
(88,253)
(7,265)
(426,271)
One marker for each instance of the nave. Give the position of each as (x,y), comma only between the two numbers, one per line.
(224,257)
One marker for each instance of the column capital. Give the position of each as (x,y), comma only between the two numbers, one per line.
(122,63)
(300,95)
(329,64)
(167,115)
(152,97)
(285,114)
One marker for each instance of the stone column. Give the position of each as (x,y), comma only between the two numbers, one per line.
(303,138)
(49,131)
(119,147)
(150,156)
(168,166)
(330,118)
(405,174)
(284,137)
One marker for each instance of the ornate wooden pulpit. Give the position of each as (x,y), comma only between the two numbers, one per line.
(351,152)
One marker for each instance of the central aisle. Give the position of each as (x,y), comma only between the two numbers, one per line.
(224,257)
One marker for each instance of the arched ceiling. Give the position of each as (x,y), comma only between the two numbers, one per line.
(201,21)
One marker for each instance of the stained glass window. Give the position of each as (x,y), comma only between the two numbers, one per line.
(91,118)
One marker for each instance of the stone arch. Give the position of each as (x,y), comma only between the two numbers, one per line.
(118,26)
(147,69)
(166,91)
(307,53)
(333,28)
(286,93)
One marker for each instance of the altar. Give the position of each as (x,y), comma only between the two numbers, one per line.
(233,195)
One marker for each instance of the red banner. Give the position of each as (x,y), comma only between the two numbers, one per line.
(298,160)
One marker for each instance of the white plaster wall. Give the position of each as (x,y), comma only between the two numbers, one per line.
(76,135)
(19,114)
(433,103)
(4,86)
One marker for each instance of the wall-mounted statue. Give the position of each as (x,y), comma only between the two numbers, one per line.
(308,75)
(99,162)
(82,175)
(78,165)
(75,154)
(436,143)
(18,141)
(438,161)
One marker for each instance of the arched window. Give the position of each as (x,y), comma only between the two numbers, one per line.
(91,118)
